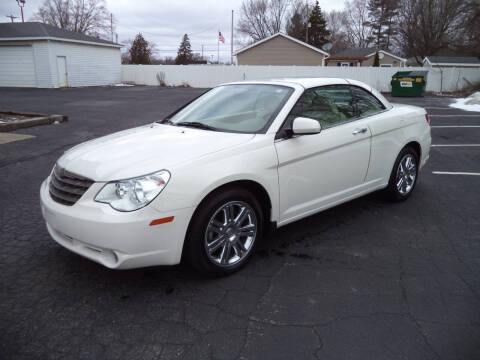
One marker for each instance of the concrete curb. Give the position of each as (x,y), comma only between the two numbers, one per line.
(38,119)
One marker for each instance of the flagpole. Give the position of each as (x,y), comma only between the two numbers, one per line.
(231,43)
(218,48)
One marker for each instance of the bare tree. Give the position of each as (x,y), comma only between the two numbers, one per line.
(469,43)
(83,16)
(125,51)
(336,20)
(297,19)
(358,33)
(262,18)
(428,27)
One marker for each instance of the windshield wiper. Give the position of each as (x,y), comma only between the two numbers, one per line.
(196,124)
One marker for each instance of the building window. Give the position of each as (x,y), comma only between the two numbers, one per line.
(345,64)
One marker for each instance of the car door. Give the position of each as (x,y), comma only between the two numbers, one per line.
(317,171)
(387,135)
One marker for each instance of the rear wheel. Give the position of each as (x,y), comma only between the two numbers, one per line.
(224,231)
(404,175)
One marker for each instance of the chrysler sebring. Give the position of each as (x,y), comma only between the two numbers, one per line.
(206,183)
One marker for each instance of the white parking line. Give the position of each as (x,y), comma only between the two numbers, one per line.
(469,115)
(454,173)
(455,126)
(455,145)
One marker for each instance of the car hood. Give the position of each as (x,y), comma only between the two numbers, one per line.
(144,150)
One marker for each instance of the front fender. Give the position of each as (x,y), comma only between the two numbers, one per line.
(190,183)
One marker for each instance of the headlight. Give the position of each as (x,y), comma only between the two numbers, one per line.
(133,194)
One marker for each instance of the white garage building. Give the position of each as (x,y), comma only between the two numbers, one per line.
(34,54)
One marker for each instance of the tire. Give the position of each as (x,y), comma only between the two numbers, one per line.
(404,175)
(221,238)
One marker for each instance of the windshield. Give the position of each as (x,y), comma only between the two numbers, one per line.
(240,108)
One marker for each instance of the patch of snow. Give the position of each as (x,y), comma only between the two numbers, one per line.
(471,103)
(122,84)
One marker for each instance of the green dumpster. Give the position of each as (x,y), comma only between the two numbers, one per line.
(409,83)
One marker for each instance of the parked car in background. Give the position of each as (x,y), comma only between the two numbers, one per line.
(207,182)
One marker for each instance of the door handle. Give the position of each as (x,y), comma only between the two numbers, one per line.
(359,131)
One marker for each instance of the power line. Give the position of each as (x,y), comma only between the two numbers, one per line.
(12,17)
(143,32)
(200,32)
(194,50)
(165,34)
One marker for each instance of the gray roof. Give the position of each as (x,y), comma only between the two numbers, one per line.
(356,52)
(413,61)
(453,59)
(39,30)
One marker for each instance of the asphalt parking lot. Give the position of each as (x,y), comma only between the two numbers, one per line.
(366,280)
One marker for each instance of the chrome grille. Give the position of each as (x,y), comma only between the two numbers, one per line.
(66,188)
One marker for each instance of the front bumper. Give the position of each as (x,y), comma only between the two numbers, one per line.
(117,240)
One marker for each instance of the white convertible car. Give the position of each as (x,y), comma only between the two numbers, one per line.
(207,182)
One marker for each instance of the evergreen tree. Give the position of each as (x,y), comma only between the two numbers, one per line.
(184,54)
(376,61)
(318,34)
(382,15)
(140,51)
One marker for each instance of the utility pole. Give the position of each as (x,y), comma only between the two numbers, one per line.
(231,43)
(202,52)
(21,3)
(12,17)
(111,25)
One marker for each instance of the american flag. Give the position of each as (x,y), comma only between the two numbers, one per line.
(220,37)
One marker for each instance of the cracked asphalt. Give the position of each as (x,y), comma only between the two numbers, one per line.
(366,280)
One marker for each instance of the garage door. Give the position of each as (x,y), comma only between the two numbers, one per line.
(17,67)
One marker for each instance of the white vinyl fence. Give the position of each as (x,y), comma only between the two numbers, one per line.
(206,76)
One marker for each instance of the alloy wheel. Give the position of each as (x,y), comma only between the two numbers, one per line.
(406,174)
(231,233)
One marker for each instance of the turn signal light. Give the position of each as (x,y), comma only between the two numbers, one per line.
(161,221)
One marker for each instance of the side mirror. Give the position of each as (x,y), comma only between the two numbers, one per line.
(305,126)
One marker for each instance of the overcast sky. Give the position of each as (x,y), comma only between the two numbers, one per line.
(164,22)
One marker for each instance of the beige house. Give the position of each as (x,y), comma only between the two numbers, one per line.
(365,57)
(281,49)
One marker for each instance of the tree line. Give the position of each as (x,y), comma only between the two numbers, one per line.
(412,28)
(140,52)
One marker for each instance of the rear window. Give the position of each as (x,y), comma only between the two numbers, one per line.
(366,103)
